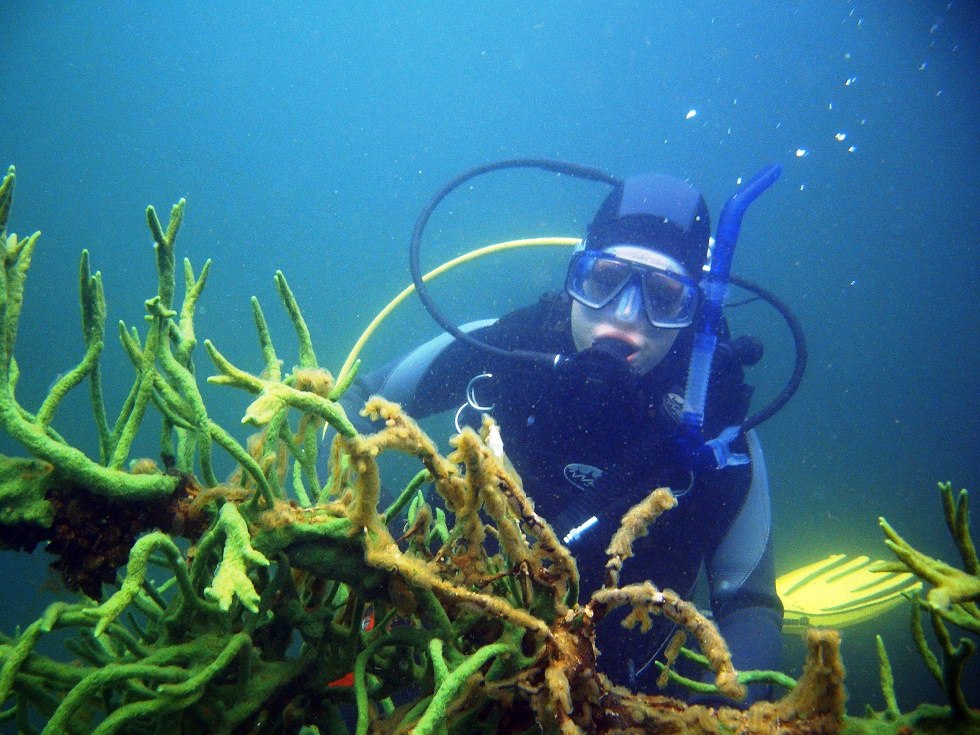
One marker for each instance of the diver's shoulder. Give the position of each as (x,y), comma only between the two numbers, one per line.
(546,319)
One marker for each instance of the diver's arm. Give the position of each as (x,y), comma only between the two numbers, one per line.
(741,574)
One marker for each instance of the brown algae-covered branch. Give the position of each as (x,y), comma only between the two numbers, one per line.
(645,599)
(633,526)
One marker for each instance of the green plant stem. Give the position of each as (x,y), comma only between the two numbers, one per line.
(435,713)
(887,680)
(421,478)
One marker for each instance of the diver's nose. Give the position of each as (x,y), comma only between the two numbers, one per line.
(630,303)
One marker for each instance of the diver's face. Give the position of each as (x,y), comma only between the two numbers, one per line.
(624,317)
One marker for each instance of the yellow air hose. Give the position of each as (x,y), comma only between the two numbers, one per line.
(448,265)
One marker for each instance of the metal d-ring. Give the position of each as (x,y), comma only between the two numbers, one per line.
(471,400)
(471,392)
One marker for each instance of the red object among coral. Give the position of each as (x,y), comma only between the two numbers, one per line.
(347,680)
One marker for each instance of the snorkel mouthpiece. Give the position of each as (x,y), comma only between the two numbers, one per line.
(715,286)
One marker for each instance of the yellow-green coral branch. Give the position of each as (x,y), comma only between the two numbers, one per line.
(166,263)
(439,668)
(25,644)
(136,571)
(273,367)
(6,196)
(421,478)
(106,676)
(957,516)
(71,463)
(304,455)
(950,585)
(887,680)
(235,645)
(744,678)
(453,683)
(341,387)
(184,380)
(24,487)
(231,577)
(231,375)
(406,636)
(954,659)
(131,344)
(93,328)
(141,710)
(179,412)
(16,262)
(240,455)
(919,638)
(307,356)
(299,489)
(192,293)
(273,396)
(93,305)
(144,385)
(19,658)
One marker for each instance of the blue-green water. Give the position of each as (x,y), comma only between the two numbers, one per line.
(306,138)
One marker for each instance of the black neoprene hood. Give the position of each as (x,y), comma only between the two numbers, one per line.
(659,212)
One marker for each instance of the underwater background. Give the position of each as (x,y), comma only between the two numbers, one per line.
(306,137)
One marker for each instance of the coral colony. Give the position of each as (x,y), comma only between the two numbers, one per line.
(288,604)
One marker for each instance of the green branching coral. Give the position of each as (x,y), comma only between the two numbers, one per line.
(33,431)
(231,578)
(299,606)
(951,601)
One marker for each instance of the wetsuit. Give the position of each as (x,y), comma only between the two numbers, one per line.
(585,450)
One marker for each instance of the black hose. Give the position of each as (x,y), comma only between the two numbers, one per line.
(801,354)
(559,167)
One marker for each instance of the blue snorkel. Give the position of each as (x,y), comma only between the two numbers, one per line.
(716,453)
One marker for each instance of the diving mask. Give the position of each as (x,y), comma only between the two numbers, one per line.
(596,278)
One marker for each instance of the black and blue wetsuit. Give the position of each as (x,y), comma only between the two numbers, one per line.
(584,453)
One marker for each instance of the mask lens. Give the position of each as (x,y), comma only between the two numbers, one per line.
(670,300)
(595,279)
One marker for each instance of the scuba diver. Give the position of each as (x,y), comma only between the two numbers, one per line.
(595,430)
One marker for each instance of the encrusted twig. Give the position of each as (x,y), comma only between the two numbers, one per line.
(633,526)
(645,599)
(274,396)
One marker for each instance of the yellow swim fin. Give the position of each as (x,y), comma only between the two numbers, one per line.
(837,592)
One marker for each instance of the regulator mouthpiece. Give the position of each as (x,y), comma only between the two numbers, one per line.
(599,376)
(614,347)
